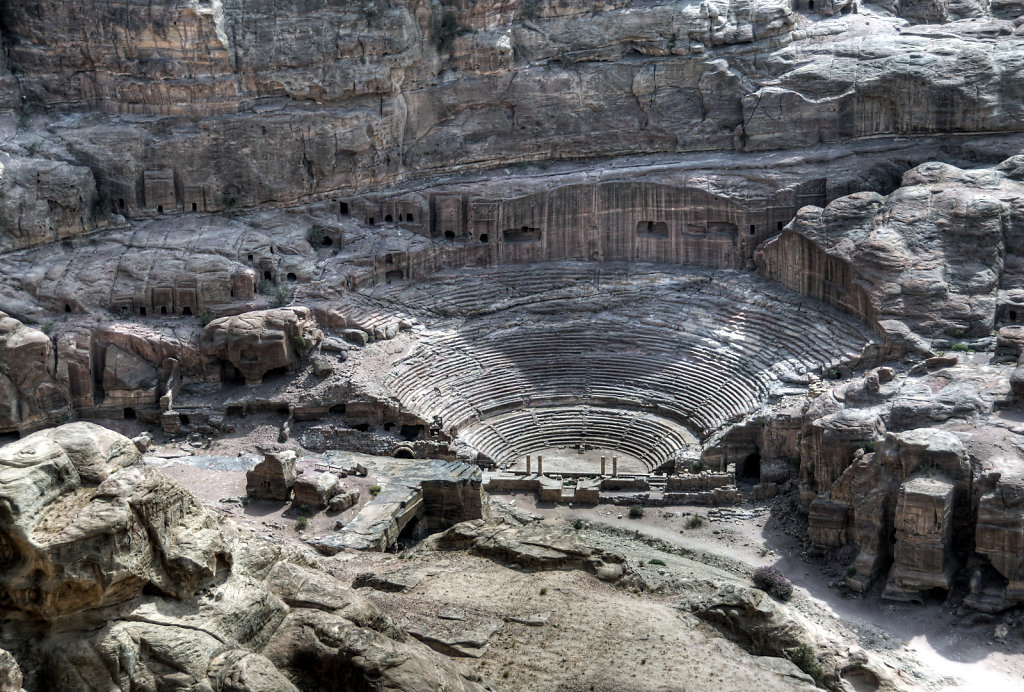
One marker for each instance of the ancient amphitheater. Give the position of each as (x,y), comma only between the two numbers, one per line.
(511,345)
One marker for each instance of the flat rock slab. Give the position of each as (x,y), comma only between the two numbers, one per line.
(534,620)
(469,643)
(396,582)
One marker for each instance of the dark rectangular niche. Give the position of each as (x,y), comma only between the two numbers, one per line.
(723,228)
(652,229)
(524,234)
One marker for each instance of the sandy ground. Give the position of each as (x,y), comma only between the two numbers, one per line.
(953,655)
(597,636)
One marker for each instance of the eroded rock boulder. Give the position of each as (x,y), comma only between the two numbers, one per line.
(257,342)
(85,525)
(272,478)
(31,396)
(314,491)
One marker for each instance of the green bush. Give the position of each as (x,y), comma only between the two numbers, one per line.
(771,580)
(282,296)
(805,659)
(265,287)
(315,237)
(697,466)
(636,511)
(578,524)
(656,561)
(961,347)
(375,490)
(694,521)
(301,523)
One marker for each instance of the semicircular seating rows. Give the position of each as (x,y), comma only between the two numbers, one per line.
(523,358)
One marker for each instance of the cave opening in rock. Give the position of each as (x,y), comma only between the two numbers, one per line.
(142,312)
(394,275)
(160,209)
(327,241)
(186,310)
(291,277)
(389,219)
(361,427)
(449,235)
(750,469)
(403,453)
(343,209)
(409,218)
(411,432)
(195,207)
(129,414)
(337,410)
(120,203)
(371,221)
(163,309)
(67,307)
(484,238)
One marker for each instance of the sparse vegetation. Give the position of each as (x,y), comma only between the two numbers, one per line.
(229,202)
(375,490)
(773,581)
(656,561)
(694,521)
(47,328)
(265,287)
(697,466)
(315,237)
(372,11)
(299,341)
(869,446)
(544,591)
(282,296)
(805,659)
(205,317)
(960,347)
(301,523)
(636,511)
(578,524)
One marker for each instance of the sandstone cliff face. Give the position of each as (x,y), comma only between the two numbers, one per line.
(44,201)
(933,255)
(313,98)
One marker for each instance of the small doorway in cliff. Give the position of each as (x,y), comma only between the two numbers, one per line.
(403,453)
(411,534)
(129,414)
(750,469)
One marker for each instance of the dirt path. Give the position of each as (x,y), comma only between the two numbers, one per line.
(954,655)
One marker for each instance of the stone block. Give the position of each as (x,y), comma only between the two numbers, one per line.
(272,478)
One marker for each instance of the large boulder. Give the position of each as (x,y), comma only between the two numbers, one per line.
(258,342)
(31,396)
(84,525)
(272,478)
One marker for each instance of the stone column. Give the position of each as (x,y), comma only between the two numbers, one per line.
(527,464)
(615,467)
(540,465)
(602,466)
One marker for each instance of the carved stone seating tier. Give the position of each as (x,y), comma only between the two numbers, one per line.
(520,359)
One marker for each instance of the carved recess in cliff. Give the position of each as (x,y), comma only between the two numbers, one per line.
(301,100)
